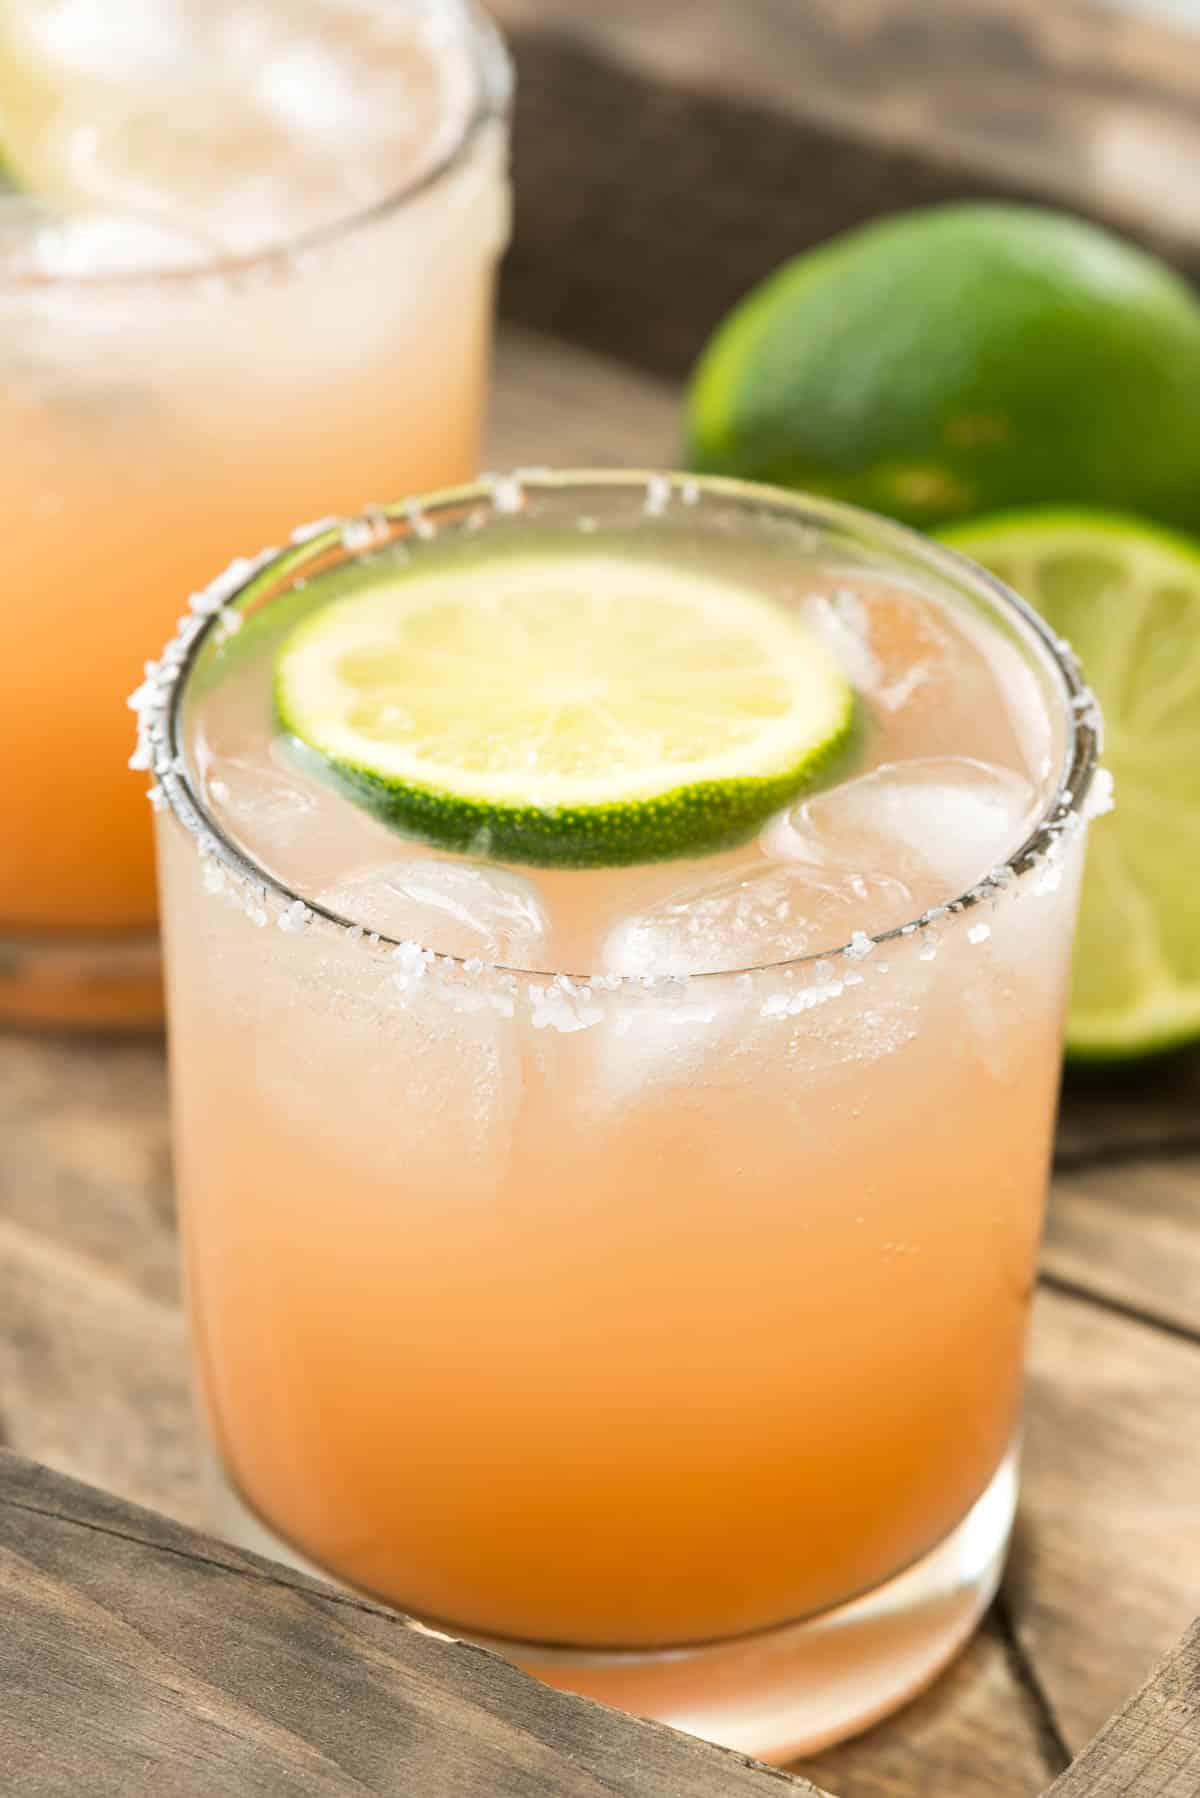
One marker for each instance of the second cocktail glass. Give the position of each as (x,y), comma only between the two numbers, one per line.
(180,369)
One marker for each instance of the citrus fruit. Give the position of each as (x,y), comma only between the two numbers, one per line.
(960,360)
(570,709)
(1127,597)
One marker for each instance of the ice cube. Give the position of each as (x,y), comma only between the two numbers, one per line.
(246,123)
(938,823)
(936,681)
(38,243)
(455,908)
(748,920)
(268,807)
(893,645)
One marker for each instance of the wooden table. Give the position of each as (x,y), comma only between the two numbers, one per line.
(1105,1575)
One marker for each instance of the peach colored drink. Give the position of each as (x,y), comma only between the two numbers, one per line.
(677,1301)
(227,301)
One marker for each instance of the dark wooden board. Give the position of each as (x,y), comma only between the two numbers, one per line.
(1151,1748)
(669,156)
(139,1658)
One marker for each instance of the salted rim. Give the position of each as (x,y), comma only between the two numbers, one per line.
(157,701)
(493,73)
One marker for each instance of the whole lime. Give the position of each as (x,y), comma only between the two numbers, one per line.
(958,360)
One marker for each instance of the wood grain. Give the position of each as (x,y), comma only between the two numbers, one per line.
(1151,1748)
(669,156)
(1128,1230)
(1105,1576)
(1130,1114)
(139,1658)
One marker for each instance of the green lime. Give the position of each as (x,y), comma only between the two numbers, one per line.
(576,709)
(958,360)
(1128,600)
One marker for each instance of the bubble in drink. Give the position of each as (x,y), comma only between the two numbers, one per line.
(941,823)
(746,920)
(451,907)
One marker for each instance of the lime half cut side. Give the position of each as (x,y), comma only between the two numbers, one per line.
(568,709)
(1127,598)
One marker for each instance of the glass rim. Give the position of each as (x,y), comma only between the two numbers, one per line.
(493,81)
(158,701)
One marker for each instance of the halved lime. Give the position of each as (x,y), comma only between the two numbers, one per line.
(1127,597)
(574,709)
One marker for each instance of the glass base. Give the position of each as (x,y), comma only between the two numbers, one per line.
(60,980)
(786,1691)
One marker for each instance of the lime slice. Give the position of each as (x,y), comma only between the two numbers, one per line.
(1127,597)
(572,709)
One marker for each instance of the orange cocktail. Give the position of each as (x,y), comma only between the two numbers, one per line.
(227,300)
(627,1264)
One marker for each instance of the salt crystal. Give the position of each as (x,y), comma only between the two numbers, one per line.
(507,495)
(304,533)
(658,496)
(1100,798)
(422,527)
(979,933)
(859,946)
(410,958)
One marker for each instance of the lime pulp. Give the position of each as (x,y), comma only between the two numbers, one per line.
(1127,598)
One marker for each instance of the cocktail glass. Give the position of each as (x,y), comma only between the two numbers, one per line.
(154,421)
(664,1331)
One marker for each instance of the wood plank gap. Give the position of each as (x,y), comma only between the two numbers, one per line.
(1103,1301)
(1047,1730)
(1126,1154)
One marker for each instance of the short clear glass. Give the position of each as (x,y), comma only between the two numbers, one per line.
(153,422)
(664,1332)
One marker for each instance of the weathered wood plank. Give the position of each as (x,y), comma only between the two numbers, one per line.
(138,1658)
(92,1356)
(1104,1575)
(1151,1748)
(1135,1112)
(667,157)
(1128,1230)
(564,406)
